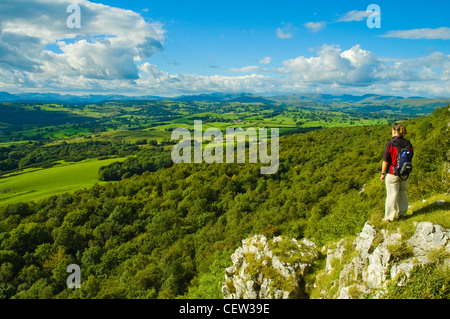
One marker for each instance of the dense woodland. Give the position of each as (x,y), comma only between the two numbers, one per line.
(147,160)
(169,233)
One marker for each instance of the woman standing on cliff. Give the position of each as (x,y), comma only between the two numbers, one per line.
(396,197)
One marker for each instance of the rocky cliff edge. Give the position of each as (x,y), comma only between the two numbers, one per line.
(361,267)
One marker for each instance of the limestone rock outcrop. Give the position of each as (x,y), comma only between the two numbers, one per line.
(269,269)
(382,257)
(275,268)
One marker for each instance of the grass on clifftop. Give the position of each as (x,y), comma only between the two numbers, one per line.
(435,209)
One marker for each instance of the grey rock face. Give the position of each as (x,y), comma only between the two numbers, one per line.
(374,266)
(275,268)
(265,269)
(428,237)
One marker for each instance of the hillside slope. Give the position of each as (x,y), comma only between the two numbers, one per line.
(170,233)
(380,262)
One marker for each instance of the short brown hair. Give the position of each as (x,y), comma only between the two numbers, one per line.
(399,128)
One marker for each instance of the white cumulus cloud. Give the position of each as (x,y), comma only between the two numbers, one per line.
(286,32)
(106,46)
(315,26)
(266,60)
(357,69)
(442,33)
(354,15)
(332,65)
(248,69)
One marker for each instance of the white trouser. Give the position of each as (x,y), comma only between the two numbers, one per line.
(396,198)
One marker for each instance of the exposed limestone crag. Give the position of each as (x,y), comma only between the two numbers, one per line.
(383,257)
(264,269)
(276,268)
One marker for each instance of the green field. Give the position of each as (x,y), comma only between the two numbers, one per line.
(32,185)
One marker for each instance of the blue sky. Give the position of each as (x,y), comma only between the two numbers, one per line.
(230,34)
(179,47)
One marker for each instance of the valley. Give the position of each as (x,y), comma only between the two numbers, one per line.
(94,185)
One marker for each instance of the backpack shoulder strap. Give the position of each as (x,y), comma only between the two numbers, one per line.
(409,144)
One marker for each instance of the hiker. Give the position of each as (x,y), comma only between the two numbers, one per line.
(395,177)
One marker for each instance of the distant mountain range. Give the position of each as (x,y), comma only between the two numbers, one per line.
(366,103)
(92,98)
(68,98)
